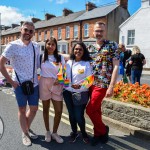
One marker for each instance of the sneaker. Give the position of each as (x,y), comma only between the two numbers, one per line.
(73,137)
(95,140)
(48,136)
(26,139)
(32,135)
(104,138)
(57,138)
(86,140)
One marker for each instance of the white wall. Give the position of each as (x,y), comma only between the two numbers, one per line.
(140,22)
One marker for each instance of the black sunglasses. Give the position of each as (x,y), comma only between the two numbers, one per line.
(27,30)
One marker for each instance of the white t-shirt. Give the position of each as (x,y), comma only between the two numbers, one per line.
(21,58)
(80,70)
(49,68)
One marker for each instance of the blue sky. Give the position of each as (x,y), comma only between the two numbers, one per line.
(14,11)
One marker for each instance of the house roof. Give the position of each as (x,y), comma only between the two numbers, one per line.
(76,16)
(97,12)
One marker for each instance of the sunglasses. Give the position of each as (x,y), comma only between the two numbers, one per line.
(27,30)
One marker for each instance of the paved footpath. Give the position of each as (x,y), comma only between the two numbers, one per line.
(11,139)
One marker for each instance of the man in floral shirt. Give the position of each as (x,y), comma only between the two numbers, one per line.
(105,69)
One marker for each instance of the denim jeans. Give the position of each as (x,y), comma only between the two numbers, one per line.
(76,113)
(135,75)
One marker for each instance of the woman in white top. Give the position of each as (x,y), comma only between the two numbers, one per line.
(77,69)
(50,89)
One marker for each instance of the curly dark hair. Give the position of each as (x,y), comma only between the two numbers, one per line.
(56,55)
(86,55)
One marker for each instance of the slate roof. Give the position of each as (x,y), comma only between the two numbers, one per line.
(76,16)
(97,12)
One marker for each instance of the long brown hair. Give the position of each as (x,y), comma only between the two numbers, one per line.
(56,55)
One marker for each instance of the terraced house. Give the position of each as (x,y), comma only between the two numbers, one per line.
(73,26)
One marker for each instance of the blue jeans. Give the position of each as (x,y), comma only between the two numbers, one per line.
(135,75)
(76,113)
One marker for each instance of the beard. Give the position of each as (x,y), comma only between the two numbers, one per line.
(26,37)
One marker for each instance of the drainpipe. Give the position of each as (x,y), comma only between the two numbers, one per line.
(80,23)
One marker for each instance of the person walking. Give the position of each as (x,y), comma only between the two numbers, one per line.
(105,64)
(125,57)
(50,89)
(77,69)
(23,55)
(137,61)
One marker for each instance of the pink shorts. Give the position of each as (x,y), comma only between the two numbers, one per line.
(50,91)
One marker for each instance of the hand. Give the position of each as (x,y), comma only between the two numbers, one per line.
(56,82)
(15,84)
(109,91)
(76,86)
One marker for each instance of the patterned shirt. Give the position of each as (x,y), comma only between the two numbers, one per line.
(21,58)
(102,62)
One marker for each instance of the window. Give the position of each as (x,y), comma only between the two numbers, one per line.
(131,37)
(67,31)
(86,30)
(75,31)
(51,32)
(59,33)
(39,36)
(45,35)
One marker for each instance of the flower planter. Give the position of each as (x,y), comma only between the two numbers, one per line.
(134,115)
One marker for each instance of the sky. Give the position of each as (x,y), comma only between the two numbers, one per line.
(14,11)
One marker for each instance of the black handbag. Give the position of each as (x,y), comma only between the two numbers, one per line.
(79,98)
(28,86)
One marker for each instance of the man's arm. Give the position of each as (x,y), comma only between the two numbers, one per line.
(4,72)
(109,92)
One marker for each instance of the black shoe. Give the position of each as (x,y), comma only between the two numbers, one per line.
(86,139)
(95,140)
(73,137)
(104,138)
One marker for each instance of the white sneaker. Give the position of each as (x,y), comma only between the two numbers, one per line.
(48,136)
(32,135)
(26,139)
(57,138)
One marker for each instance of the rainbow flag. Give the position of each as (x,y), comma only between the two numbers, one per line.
(66,82)
(64,71)
(88,81)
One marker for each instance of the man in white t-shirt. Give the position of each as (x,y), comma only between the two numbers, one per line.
(21,54)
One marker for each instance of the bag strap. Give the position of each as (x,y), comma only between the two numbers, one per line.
(71,71)
(33,67)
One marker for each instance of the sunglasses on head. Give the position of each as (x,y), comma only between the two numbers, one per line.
(27,30)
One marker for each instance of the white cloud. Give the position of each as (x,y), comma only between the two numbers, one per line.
(61,1)
(50,0)
(10,15)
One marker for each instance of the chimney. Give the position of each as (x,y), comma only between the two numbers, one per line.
(21,22)
(90,6)
(66,12)
(49,16)
(123,3)
(34,20)
(14,25)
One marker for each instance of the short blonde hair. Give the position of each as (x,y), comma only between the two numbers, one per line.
(135,50)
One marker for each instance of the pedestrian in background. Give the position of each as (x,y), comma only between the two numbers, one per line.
(77,69)
(105,68)
(50,89)
(23,55)
(137,61)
